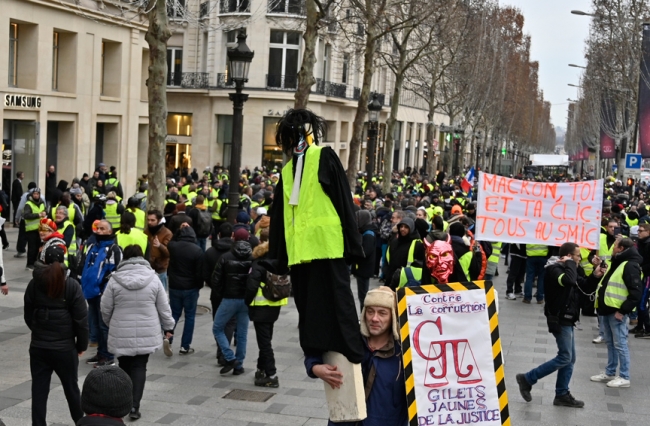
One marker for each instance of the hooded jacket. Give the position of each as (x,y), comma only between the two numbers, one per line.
(400,246)
(56,324)
(158,256)
(631,279)
(562,284)
(185,271)
(134,306)
(230,275)
(365,268)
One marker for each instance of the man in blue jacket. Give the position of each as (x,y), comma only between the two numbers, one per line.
(386,392)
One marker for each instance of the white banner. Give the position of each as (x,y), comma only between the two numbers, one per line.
(452,346)
(549,213)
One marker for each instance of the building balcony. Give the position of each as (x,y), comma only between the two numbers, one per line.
(287,7)
(223,82)
(328,88)
(234,7)
(281,82)
(188,80)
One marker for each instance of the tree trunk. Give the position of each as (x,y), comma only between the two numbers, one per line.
(432,159)
(362,107)
(306,75)
(390,127)
(157,35)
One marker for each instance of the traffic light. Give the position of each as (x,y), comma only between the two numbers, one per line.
(630,181)
(503,152)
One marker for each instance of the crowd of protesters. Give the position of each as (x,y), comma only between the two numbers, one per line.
(85,240)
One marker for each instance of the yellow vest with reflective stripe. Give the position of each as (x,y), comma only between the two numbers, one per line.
(631,222)
(32,224)
(536,250)
(616,292)
(496,253)
(313,228)
(587,266)
(260,300)
(190,197)
(403,279)
(135,237)
(112,216)
(72,248)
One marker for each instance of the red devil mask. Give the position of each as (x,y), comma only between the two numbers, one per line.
(440,260)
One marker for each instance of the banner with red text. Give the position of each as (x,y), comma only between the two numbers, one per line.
(549,213)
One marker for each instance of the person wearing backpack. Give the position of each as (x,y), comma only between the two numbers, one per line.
(201,222)
(263,298)
(410,276)
(364,268)
(100,259)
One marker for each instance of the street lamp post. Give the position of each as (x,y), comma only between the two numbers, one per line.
(374,109)
(478,150)
(456,152)
(239,61)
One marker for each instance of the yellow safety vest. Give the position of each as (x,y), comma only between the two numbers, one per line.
(112,181)
(32,224)
(313,228)
(71,211)
(185,190)
(493,260)
(215,213)
(135,237)
(72,248)
(631,222)
(465,261)
(605,253)
(140,219)
(536,250)
(190,197)
(411,254)
(112,216)
(587,266)
(260,300)
(616,292)
(403,279)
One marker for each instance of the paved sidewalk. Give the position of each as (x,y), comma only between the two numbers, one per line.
(188,390)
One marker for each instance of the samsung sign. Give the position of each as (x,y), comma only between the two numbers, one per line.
(23,101)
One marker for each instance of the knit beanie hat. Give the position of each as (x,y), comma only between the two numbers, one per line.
(107,390)
(242,235)
(457,229)
(382,297)
(243,217)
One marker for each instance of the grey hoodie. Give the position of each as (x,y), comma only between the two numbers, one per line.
(134,306)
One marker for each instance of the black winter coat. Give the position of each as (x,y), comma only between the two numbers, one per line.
(185,269)
(212,255)
(563,300)
(230,275)
(56,324)
(365,268)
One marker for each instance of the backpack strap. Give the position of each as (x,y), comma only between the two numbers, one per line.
(369,232)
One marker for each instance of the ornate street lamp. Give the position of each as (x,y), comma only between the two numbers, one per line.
(374,109)
(239,62)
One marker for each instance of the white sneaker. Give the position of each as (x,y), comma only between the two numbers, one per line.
(602,378)
(511,296)
(598,339)
(167,347)
(618,382)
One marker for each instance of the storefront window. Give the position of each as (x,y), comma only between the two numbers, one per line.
(271,153)
(178,156)
(179,124)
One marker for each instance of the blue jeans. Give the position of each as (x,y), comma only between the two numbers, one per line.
(184,300)
(535,268)
(384,263)
(101,329)
(227,309)
(618,353)
(163,280)
(562,363)
(201,242)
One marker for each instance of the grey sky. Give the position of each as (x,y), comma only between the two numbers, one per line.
(557,39)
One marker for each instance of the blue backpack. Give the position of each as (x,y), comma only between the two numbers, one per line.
(98,266)
(410,278)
